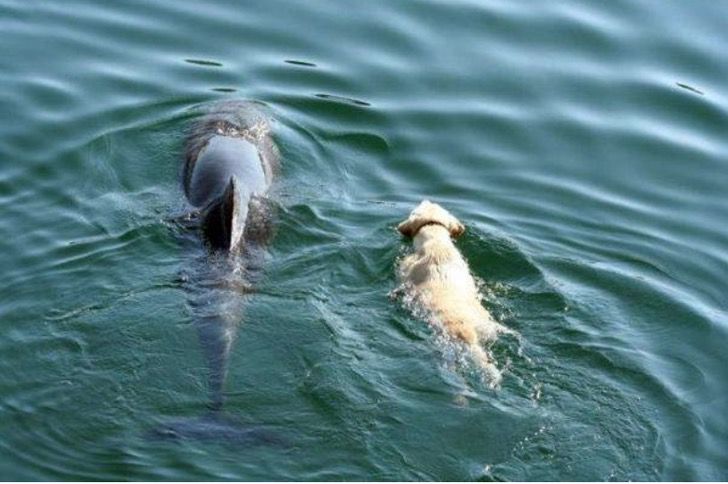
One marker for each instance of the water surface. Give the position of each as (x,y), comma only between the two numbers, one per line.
(582,143)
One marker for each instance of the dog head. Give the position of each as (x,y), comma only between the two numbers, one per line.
(430,213)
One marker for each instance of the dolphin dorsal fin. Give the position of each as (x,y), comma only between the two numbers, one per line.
(222,224)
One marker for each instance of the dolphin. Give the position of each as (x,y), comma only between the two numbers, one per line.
(230,163)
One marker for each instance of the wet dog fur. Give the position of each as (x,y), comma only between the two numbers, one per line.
(438,279)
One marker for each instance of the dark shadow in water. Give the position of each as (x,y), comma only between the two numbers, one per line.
(202,62)
(300,63)
(216,427)
(224,89)
(347,100)
(689,88)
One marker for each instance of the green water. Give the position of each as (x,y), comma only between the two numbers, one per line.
(582,143)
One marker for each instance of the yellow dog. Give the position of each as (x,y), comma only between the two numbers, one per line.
(439,281)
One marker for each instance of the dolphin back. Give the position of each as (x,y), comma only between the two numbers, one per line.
(230,159)
(228,173)
(246,120)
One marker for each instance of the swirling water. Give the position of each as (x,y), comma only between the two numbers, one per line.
(582,143)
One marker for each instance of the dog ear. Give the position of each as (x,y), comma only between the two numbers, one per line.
(416,219)
(456,229)
(409,227)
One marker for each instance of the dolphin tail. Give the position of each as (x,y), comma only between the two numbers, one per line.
(222,222)
(217,427)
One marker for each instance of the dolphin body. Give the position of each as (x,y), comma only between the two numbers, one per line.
(230,163)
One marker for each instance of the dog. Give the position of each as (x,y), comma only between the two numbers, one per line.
(438,279)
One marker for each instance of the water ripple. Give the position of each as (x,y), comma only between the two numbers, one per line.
(582,144)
